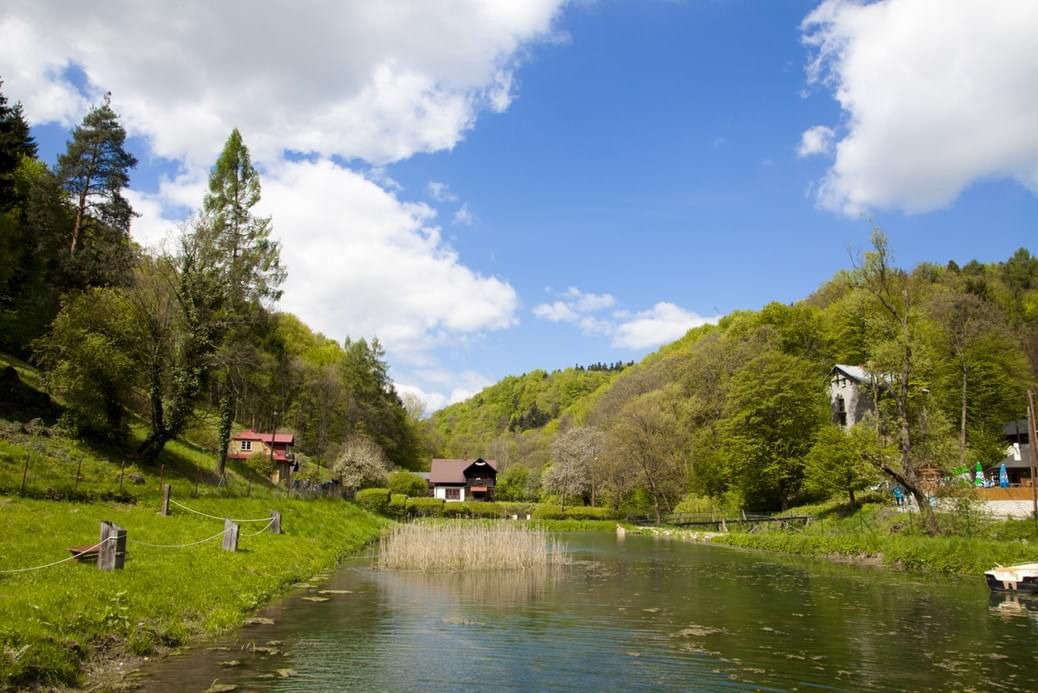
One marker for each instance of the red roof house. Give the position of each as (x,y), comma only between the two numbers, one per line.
(460,480)
(248,443)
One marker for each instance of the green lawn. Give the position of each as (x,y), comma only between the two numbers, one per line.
(53,620)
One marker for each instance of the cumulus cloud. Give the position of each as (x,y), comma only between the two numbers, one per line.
(816,140)
(662,323)
(360,261)
(577,307)
(934,99)
(369,80)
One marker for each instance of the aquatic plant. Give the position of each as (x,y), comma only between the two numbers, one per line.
(467,545)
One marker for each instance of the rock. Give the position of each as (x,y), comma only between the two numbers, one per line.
(285,673)
(317,599)
(335,592)
(230,663)
(267,650)
(259,621)
(137,478)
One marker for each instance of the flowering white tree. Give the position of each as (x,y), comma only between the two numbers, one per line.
(361,463)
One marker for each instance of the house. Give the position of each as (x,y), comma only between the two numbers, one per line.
(274,445)
(1017,454)
(849,394)
(462,480)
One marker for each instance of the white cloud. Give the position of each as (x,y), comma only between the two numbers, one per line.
(464,216)
(577,307)
(935,98)
(662,323)
(370,80)
(431,400)
(440,192)
(816,140)
(360,261)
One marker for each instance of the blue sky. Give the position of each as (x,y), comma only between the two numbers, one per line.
(558,183)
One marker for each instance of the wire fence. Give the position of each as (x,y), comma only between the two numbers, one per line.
(215,517)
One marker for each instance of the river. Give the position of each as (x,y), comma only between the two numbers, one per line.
(638,614)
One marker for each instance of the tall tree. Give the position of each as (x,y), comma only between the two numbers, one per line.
(16,142)
(575,470)
(895,366)
(94,170)
(248,263)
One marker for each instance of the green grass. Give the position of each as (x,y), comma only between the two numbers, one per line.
(54,620)
(875,531)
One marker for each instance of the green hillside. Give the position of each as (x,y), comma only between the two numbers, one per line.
(737,414)
(515,407)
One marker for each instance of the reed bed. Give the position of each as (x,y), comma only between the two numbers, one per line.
(468,545)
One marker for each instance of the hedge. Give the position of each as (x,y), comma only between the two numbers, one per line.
(374,499)
(425,507)
(579,512)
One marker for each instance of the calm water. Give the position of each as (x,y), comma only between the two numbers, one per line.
(640,614)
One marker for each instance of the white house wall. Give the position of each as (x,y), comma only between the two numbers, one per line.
(441,492)
(855,400)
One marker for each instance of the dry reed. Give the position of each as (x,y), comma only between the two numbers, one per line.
(467,545)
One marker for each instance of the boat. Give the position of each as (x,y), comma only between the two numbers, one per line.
(1014,578)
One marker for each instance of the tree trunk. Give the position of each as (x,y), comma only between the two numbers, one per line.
(226,421)
(962,424)
(850,493)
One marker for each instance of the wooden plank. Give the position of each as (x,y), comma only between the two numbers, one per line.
(167,490)
(275,522)
(230,535)
(112,552)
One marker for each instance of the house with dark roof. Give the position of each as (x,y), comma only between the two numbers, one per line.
(463,480)
(1017,457)
(273,445)
(850,394)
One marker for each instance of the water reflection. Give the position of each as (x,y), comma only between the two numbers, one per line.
(633,615)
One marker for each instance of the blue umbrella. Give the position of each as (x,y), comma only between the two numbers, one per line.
(1003,476)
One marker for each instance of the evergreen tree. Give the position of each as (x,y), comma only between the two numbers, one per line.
(94,170)
(15,142)
(247,261)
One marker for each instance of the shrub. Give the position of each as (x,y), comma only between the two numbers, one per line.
(397,504)
(480,509)
(546,511)
(408,484)
(520,509)
(374,499)
(425,507)
(588,513)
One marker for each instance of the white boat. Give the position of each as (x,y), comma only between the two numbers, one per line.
(1014,578)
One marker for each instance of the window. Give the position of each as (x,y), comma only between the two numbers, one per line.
(246,445)
(841,411)
(453,494)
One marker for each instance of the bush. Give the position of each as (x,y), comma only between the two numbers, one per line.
(374,499)
(397,504)
(588,513)
(546,511)
(425,507)
(408,484)
(520,509)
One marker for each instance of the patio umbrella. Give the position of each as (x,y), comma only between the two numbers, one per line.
(979,475)
(1003,476)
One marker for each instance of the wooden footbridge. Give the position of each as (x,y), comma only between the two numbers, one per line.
(721,523)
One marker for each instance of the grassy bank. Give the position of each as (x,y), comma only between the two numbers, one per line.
(55,621)
(876,532)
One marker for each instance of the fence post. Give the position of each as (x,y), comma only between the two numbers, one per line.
(167,490)
(275,522)
(230,535)
(112,552)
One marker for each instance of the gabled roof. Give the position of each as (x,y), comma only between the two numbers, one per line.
(855,373)
(284,438)
(453,471)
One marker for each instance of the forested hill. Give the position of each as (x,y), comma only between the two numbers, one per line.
(516,405)
(739,407)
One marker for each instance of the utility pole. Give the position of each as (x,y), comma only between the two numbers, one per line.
(1032,440)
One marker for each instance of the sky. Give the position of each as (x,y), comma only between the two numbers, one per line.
(491,187)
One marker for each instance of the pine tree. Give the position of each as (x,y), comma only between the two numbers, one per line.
(15,142)
(94,170)
(248,261)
